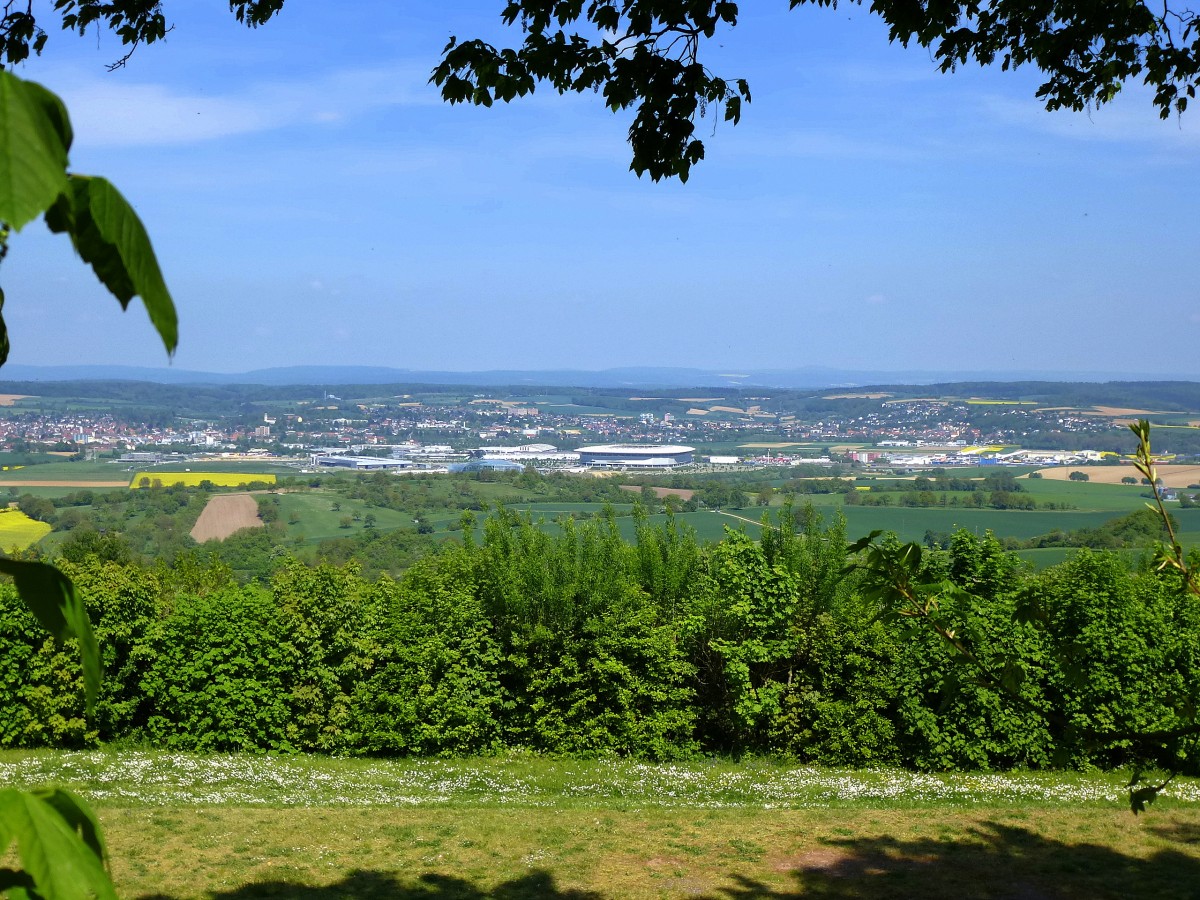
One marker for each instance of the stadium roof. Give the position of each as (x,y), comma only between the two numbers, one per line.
(638,449)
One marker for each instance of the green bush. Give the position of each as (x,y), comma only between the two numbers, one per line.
(218,677)
(437,688)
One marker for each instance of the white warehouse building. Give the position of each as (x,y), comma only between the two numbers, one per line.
(636,456)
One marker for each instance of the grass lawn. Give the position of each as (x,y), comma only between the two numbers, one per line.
(236,828)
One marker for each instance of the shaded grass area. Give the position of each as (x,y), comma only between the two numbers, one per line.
(400,854)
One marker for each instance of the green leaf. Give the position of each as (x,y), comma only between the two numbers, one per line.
(110,237)
(56,112)
(52,598)
(16,885)
(33,151)
(4,346)
(52,853)
(78,815)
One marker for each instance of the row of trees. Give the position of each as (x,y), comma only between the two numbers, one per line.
(972,500)
(581,643)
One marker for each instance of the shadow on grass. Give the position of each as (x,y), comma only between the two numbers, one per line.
(370,885)
(995,861)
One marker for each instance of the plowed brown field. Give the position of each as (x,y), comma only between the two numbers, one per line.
(225,514)
(1172,476)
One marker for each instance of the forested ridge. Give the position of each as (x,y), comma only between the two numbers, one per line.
(576,642)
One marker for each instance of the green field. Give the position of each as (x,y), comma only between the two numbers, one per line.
(527,828)
(239,466)
(318,521)
(39,491)
(1086,495)
(66,471)
(911,524)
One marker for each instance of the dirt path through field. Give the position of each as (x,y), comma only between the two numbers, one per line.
(223,515)
(758,522)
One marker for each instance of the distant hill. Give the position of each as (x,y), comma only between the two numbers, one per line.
(808,377)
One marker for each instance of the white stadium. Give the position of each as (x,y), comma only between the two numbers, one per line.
(636,456)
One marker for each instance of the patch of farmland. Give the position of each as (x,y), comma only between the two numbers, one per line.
(77,471)
(1172,476)
(236,466)
(871,396)
(18,531)
(660,492)
(1086,495)
(194,479)
(910,524)
(1121,411)
(309,516)
(67,484)
(223,515)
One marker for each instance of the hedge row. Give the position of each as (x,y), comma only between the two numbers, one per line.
(576,642)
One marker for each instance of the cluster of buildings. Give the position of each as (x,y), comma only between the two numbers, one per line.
(409,457)
(429,435)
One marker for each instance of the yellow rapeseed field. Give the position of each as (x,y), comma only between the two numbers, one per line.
(193,479)
(19,531)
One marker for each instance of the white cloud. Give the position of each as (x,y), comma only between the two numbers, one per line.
(1131,119)
(116,111)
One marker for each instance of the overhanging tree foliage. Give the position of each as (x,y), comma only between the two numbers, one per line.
(648,55)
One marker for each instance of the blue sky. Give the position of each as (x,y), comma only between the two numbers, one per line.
(312,201)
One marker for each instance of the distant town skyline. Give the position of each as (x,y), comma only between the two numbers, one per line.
(313,202)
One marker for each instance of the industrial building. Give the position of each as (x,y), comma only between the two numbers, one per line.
(487,465)
(360,463)
(636,456)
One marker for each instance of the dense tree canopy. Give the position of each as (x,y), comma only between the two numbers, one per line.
(648,55)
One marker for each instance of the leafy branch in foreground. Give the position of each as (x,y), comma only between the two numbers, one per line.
(35,137)
(57,838)
(1168,555)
